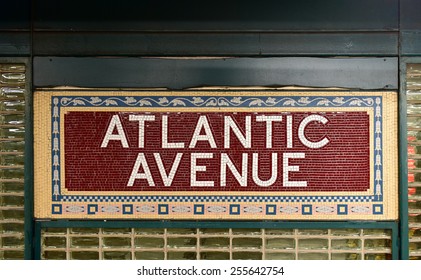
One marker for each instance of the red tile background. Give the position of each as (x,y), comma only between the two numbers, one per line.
(342,165)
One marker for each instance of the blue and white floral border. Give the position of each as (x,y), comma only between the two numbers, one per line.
(59,102)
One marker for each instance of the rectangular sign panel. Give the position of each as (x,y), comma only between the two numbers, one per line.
(216,155)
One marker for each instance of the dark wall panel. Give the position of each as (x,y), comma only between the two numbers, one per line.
(364,73)
(410,14)
(212,44)
(15,15)
(217,15)
(15,43)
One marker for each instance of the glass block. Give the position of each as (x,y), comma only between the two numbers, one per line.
(246,231)
(11,105)
(214,242)
(415,246)
(279,231)
(181,242)
(182,255)
(312,231)
(280,256)
(12,132)
(84,255)
(54,255)
(149,231)
(54,242)
(414,232)
(246,256)
(313,256)
(377,244)
(15,214)
(116,230)
(11,146)
(345,232)
(12,242)
(12,159)
(116,255)
(414,218)
(249,243)
(312,244)
(214,256)
(280,243)
(54,231)
(12,255)
(116,242)
(377,256)
(11,173)
(149,255)
(8,67)
(346,256)
(216,231)
(414,205)
(11,201)
(7,228)
(11,187)
(148,242)
(377,232)
(413,108)
(346,244)
(12,119)
(12,92)
(83,241)
(181,231)
(84,230)
(12,78)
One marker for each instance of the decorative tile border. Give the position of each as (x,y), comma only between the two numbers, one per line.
(349,205)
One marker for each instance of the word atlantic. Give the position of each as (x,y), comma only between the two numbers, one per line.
(221,140)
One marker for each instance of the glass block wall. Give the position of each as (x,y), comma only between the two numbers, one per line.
(413,88)
(12,128)
(216,244)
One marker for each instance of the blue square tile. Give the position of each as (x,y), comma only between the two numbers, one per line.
(57,208)
(235,209)
(377,209)
(271,209)
(127,208)
(342,209)
(307,209)
(163,209)
(199,209)
(92,209)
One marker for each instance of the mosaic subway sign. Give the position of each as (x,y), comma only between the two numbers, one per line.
(215,155)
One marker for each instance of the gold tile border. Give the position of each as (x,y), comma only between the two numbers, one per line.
(42,154)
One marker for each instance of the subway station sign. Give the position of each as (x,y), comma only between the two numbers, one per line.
(216,155)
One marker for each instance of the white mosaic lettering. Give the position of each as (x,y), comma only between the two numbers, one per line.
(255,171)
(226,162)
(141,161)
(288,168)
(165,143)
(289,132)
(245,139)
(120,136)
(302,127)
(194,168)
(167,179)
(269,120)
(202,123)
(141,119)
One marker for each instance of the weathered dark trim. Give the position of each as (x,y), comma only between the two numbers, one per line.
(215,44)
(15,43)
(357,73)
(217,15)
(411,43)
